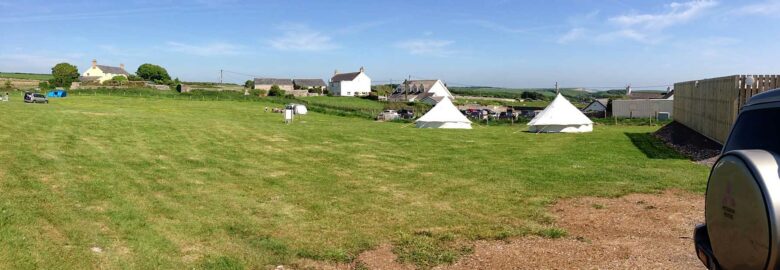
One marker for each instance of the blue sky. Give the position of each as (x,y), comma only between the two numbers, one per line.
(579,43)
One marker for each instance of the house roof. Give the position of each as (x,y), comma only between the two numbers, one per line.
(427,84)
(309,82)
(603,101)
(426,87)
(272,81)
(667,95)
(112,70)
(646,95)
(344,76)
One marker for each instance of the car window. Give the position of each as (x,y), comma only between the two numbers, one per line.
(756,129)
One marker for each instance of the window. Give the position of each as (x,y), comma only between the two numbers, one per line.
(756,129)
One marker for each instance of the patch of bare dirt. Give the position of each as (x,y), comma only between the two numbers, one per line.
(638,231)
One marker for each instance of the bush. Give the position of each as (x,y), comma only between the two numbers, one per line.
(45,86)
(7,86)
(119,80)
(250,84)
(134,78)
(275,91)
(257,92)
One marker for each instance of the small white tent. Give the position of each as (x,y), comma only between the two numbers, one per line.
(560,116)
(444,115)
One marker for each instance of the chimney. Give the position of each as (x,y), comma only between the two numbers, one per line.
(94,63)
(122,66)
(335,72)
(628,90)
(362,69)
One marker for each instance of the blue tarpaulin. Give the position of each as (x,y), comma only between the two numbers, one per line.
(57,93)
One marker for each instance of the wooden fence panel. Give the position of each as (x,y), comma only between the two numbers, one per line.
(711,106)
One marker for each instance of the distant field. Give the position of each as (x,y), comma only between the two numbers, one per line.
(26,76)
(112,182)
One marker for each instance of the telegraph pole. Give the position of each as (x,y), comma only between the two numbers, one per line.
(406,89)
(557,91)
(220,76)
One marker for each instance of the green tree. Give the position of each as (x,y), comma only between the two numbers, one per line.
(64,74)
(154,73)
(134,78)
(276,91)
(249,84)
(8,86)
(44,86)
(383,90)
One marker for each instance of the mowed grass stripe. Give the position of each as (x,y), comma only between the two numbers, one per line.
(160,183)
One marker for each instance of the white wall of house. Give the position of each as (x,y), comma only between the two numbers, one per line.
(97,72)
(360,86)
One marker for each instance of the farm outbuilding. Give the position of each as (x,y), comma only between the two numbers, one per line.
(642,108)
(711,106)
(267,83)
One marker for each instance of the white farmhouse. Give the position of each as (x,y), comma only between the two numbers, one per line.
(102,73)
(427,91)
(350,84)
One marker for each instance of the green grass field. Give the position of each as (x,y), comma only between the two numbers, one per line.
(174,184)
(348,102)
(26,76)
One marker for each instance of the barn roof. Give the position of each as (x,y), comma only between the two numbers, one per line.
(309,82)
(112,70)
(272,81)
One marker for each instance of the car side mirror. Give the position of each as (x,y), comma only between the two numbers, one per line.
(742,209)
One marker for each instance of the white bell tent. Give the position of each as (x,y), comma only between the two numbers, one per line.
(444,115)
(560,116)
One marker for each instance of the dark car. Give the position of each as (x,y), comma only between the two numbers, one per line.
(35,98)
(742,204)
(506,115)
(406,114)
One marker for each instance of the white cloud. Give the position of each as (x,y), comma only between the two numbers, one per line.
(629,34)
(427,46)
(301,38)
(211,49)
(35,62)
(771,7)
(645,28)
(490,25)
(677,13)
(573,34)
